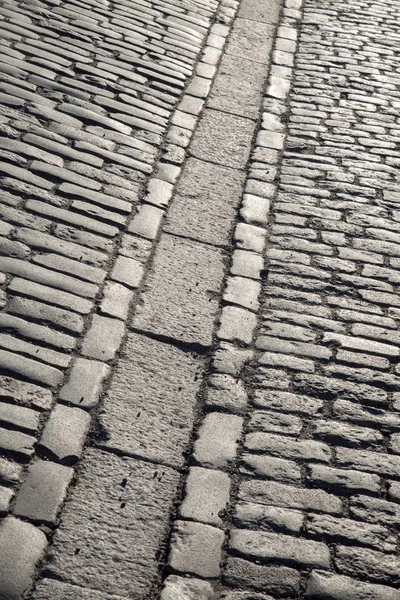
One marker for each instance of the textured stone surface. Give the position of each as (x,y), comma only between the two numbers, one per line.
(84,385)
(237,87)
(43,492)
(329,586)
(217,440)
(180,295)
(184,588)
(280,581)
(206,199)
(223,139)
(188,541)
(64,434)
(206,496)
(252,40)
(22,546)
(130,501)
(261,545)
(148,409)
(57,590)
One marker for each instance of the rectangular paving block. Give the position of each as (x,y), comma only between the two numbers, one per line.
(262,545)
(223,138)
(180,298)
(265,12)
(252,40)
(148,409)
(43,492)
(114,525)
(22,546)
(238,86)
(205,203)
(187,551)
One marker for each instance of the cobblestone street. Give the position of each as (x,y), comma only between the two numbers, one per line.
(200,301)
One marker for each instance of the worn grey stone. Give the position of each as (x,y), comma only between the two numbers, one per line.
(206,496)
(237,324)
(247,264)
(103,339)
(242,291)
(20,417)
(116,300)
(84,385)
(223,139)
(131,502)
(217,440)
(186,588)
(188,541)
(43,492)
(22,546)
(17,443)
(147,221)
(277,580)
(205,202)
(329,586)
(259,517)
(262,545)
(58,590)
(286,447)
(270,467)
(353,533)
(249,237)
(64,434)
(271,493)
(223,391)
(148,409)
(267,12)
(127,271)
(252,40)
(180,297)
(361,562)
(26,394)
(237,86)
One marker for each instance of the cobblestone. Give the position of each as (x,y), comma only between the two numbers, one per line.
(271,579)
(43,492)
(186,551)
(261,545)
(23,545)
(338,587)
(297,122)
(217,441)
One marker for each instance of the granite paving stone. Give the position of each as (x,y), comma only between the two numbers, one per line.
(223,139)
(205,202)
(206,496)
(185,588)
(186,550)
(103,328)
(58,590)
(20,417)
(64,434)
(237,87)
(217,440)
(263,545)
(23,546)
(42,492)
(84,384)
(277,580)
(149,406)
(182,288)
(131,501)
